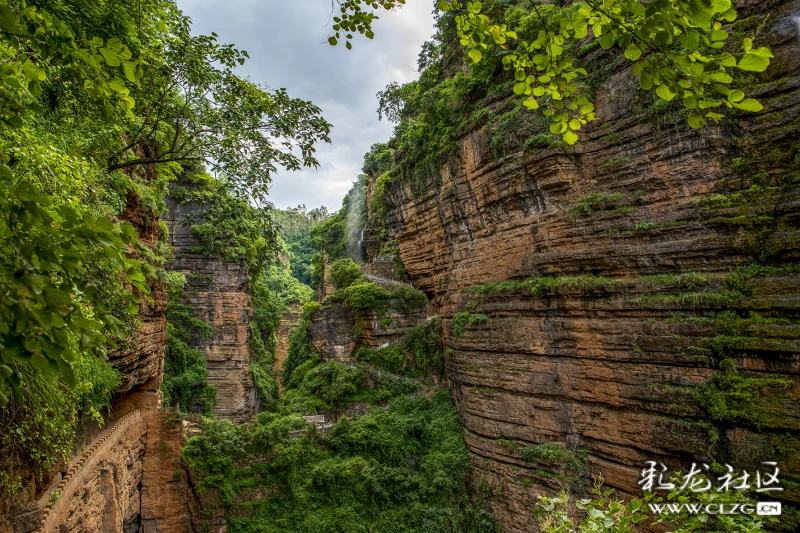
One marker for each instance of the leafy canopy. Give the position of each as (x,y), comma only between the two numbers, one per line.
(679,48)
(101,103)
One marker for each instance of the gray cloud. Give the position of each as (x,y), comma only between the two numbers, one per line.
(287,42)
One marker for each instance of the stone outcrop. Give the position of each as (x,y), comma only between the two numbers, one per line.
(165,497)
(142,362)
(636,231)
(337,331)
(332,333)
(216,291)
(288,322)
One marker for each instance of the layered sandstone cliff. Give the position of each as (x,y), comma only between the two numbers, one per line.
(629,243)
(216,292)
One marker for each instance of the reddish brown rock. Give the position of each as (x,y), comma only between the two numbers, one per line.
(165,491)
(601,367)
(217,292)
(285,327)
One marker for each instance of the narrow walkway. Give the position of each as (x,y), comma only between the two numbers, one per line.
(381,279)
(75,476)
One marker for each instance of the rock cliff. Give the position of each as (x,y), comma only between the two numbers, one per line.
(626,287)
(216,291)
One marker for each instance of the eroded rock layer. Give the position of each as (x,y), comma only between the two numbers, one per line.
(638,246)
(216,292)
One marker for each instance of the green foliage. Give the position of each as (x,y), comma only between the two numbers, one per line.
(185,383)
(330,237)
(52,307)
(41,429)
(418,353)
(353,18)
(379,159)
(730,398)
(603,513)
(546,451)
(425,343)
(228,226)
(597,201)
(684,59)
(332,384)
(402,468)
(390,358)
(366,295)
(461,319)
(317,270)
(301,353)
(294,227)
(344,272)
(100,105)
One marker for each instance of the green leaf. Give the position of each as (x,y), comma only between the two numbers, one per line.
(110,56)
(475,55)
(129,69)
(531,103)
(520,88)
(696,120)
(117,84)
(719,35)
(751,62)
(690,39)
(665,93)
(735,96)
(570,137)
(721,77)
(749,104)
(633,52)
(645,81)
(332,40)
(607,40)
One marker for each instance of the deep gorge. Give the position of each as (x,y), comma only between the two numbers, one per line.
(492,316)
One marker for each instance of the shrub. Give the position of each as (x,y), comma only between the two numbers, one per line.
(545,451)
(365,295)
(345,272)
(425,343)
(391,358)
(460,321)
(597,201)
(732,398)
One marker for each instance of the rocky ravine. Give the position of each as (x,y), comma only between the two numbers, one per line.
(606,360)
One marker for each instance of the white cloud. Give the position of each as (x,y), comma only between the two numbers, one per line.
(287,42)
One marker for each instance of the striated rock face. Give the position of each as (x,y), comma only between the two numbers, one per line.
(165,506)
(332,333)
(216,291)
(603,358)
(282,346)
(142,364)
(143,367)
(336,332)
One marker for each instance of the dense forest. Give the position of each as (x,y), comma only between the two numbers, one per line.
(114,117)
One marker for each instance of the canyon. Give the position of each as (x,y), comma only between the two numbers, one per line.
(594,297)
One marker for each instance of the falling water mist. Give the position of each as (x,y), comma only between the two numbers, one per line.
(355,223)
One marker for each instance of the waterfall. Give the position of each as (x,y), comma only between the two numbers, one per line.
(355,224)
(361,252)
(796,20)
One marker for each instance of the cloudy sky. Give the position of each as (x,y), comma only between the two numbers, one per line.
(287,42)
